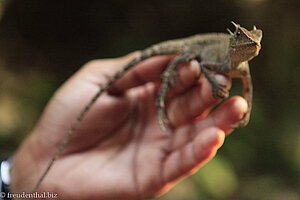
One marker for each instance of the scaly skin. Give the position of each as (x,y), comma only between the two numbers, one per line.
(216,52)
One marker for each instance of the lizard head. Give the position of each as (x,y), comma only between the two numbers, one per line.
(243,44)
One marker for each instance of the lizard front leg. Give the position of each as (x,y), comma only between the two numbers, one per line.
(167,82)
(218,90)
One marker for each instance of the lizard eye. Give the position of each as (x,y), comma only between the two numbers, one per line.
(238,33)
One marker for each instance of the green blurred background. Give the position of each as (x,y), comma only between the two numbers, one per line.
(42,43)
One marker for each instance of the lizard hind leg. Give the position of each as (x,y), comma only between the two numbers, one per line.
(168,77)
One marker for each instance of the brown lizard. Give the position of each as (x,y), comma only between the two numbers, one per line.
(216,52)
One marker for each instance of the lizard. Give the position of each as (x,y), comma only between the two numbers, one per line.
(223,53)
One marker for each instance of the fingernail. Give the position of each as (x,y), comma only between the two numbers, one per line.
(241,105)
(194,67)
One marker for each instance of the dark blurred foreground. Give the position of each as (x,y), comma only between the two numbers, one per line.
(43,42)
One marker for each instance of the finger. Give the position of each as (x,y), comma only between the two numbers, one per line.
(151,70)
(195,102)
(95,70)
(145,71)
(189,158)
(224,117)
(148,70)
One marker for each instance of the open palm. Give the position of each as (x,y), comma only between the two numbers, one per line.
(119,151)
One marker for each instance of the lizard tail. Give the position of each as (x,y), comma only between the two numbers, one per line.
(144,55)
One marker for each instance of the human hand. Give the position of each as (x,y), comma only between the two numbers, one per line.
(118,150)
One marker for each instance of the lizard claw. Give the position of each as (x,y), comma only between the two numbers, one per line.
(162,119)
(161,125)
(220,91)
(242,123)
(163,122)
